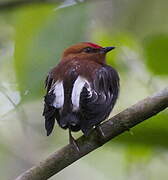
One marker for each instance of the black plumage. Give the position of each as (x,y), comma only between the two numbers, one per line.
(98,93)
(98,107)
(92,110)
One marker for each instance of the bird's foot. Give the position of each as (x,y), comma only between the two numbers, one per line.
(73,141)
(100,135)
(100,131)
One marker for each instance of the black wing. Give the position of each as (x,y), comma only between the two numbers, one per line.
(50,112)
(95,106)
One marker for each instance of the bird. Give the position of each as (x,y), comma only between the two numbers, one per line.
(81,89)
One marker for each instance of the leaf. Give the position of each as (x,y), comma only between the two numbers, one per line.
(156,51)
(153,132)
(122,42)
(41,36)
(138,154)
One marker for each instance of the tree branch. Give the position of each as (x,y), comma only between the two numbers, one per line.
(110,129)
(10,4)
(6,5)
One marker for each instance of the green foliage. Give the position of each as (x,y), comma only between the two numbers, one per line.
(138,153)
(41,35)
(152,133)
(41,32)
(120,41)
(156,50)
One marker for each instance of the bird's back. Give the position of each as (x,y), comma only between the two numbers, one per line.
(80,94)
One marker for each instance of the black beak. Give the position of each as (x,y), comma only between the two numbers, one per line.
(107,49)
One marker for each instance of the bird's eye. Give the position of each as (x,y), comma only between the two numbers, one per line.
(88,49)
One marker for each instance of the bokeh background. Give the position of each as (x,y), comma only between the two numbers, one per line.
(32,38)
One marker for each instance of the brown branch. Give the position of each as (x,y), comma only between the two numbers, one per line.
(110,129)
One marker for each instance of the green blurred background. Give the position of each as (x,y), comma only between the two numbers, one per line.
(32,38)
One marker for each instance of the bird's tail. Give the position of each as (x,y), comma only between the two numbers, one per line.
(49,114)
(70,121)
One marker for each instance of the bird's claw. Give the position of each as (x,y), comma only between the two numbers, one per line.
(100,131)
(73,141)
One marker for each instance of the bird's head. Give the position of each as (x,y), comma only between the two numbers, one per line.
(87,51)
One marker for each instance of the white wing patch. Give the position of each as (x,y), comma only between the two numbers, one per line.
(76,91)
(59,94)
